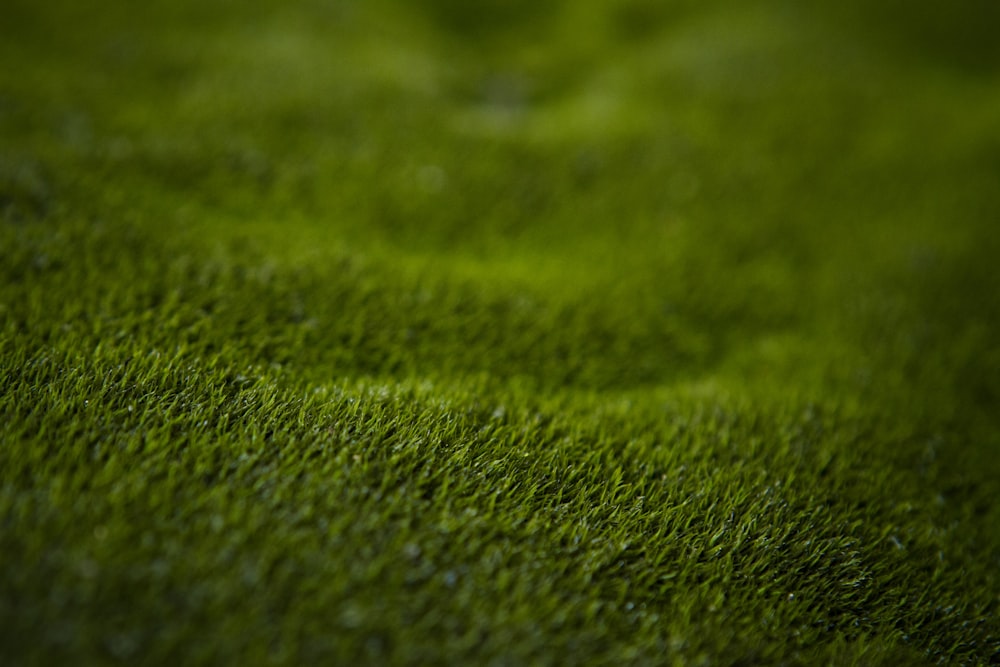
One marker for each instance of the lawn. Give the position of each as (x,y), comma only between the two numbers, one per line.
(510,333)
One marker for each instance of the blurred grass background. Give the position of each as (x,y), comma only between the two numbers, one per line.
(757,208)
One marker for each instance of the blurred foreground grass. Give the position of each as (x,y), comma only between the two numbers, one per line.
(499,332)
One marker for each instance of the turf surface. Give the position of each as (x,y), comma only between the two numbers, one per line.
(499,333)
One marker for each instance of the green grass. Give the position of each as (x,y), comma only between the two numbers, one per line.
(503,333)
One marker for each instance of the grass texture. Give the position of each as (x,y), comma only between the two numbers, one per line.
(506,333)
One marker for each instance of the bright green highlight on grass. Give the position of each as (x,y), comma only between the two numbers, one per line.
(516,332)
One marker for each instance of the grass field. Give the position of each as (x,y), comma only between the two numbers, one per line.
(507,333)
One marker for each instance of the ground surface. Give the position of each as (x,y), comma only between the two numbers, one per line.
(516,332)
